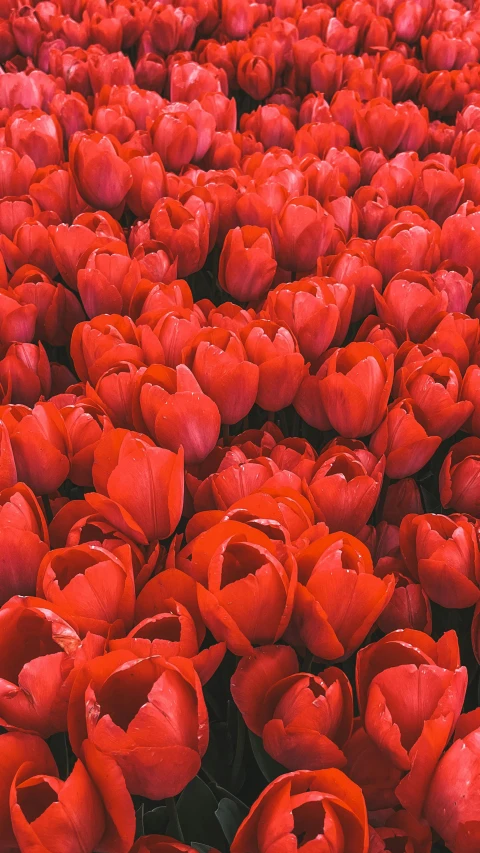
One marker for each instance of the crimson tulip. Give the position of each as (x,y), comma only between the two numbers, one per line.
(308,806)
(303,719)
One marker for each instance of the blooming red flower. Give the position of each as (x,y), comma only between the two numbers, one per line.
(306,805)
(304,720)
(146,713)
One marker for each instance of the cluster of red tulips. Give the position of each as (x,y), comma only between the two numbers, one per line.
(239,426)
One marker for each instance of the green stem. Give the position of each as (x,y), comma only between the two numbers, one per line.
(239,750)
(174,820)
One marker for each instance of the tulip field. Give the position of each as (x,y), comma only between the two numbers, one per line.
(240,426)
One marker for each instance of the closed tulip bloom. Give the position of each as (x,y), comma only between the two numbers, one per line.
(218,361)
(139,486)
(405,730)
(360,374)
(170,406)
(303,719)
(281,366)
(25,541)
(372,770)
(40,446)
(102,343)
(148,714)
(302,234)
(38,652)
(36,134)
(253,604)
(94,586)
(91,810)
(256,75)
(434,387)
(175,139)
(184,229)
(148,184)
(102,177)
(412,304)
(345,486)
(338,598)
(403,440)
(247,263)
(17,749)
(309,308)
(459,477)
(460,240)
(306,808)
(409,607)
(402,246)
(26,369)
(442,553)
(451,807)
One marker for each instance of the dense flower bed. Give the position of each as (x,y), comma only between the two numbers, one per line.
(239,426)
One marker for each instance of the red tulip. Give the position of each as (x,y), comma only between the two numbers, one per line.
(360,374)
(460,240)
(471,391)
(413,735)
(401,498)
(17,749)
(345,486)
(36,676)
(303,719)
(40,446)
(231,604)
(302,234)
(218,361)
(281,366)
(102,343)
(102,177)
(36,134)
(184,229)
(25,541)
(153,636)
(453,812)
(458,476)
(338,598)
(315,806)
(139,486)
(247,263)
(94,586)
(442,553)
(403,439)
(404,829)
(401,246)
(146,713)
(372,770)
(317,310)
(256,75)
(412,304)
(170,406)
(434,388)
(91,810)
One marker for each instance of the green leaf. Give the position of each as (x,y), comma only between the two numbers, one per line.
(202,848)
(155,821)
(196,807)
(267,765)
(139,815)
(230,816)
